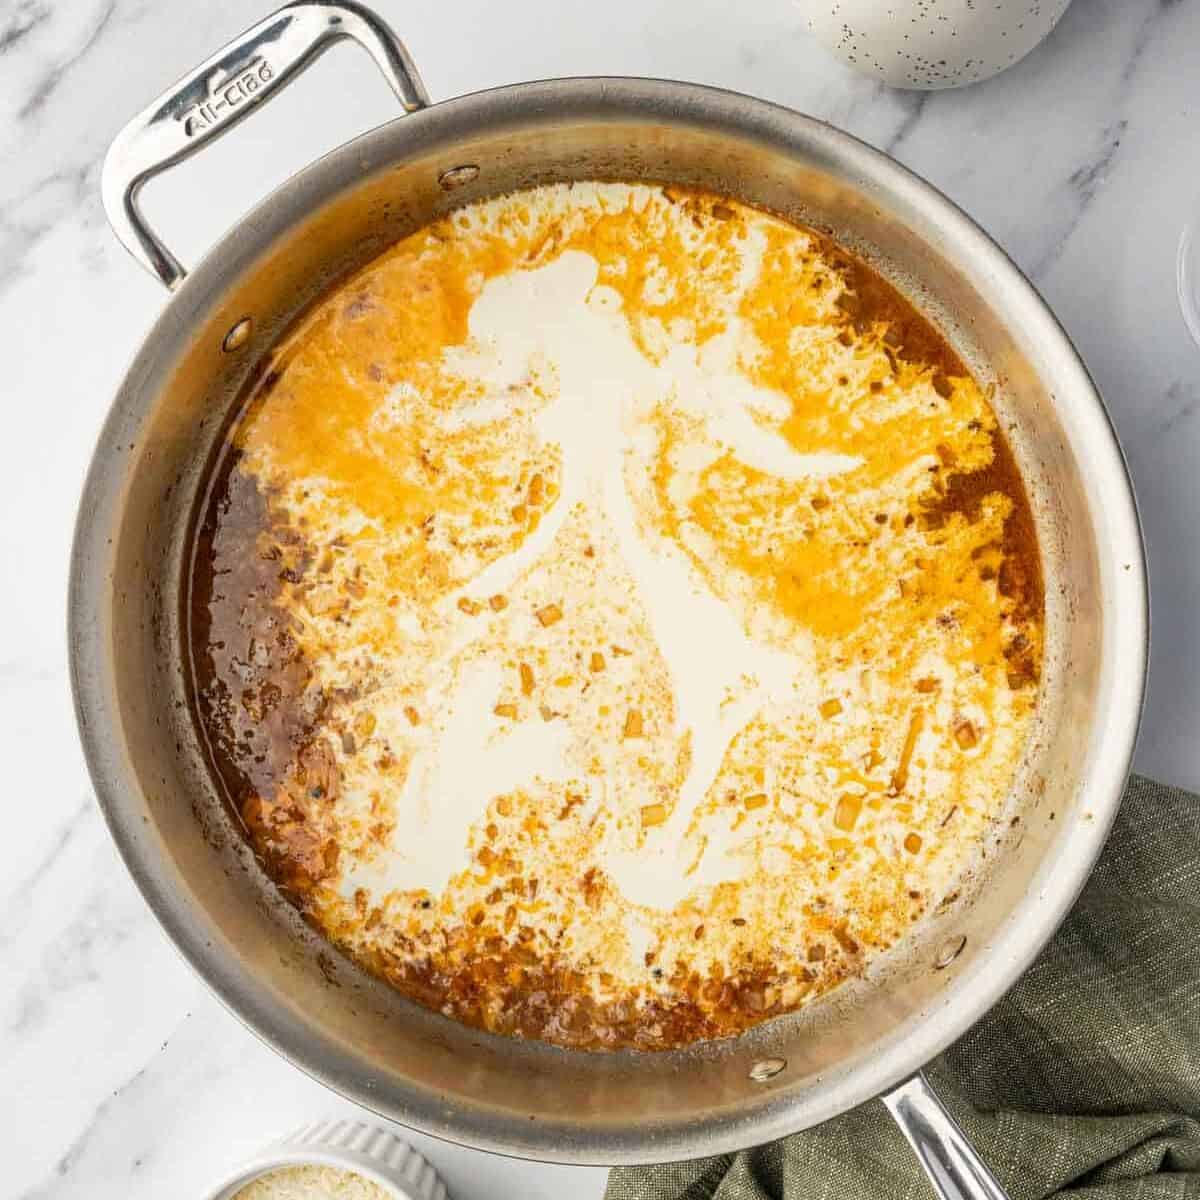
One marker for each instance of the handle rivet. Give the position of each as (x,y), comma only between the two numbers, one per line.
(457,177)
(951,949)
(767,1068)
(238,336)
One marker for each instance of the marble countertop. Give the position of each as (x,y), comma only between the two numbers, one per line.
(122,1076)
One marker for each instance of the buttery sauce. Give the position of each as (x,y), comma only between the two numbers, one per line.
(616,616)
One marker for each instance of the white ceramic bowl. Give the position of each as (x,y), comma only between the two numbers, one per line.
(367,1150)
(931,44)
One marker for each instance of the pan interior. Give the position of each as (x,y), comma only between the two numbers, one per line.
(356,1033)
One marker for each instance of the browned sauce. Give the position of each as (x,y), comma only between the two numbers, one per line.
(282,736)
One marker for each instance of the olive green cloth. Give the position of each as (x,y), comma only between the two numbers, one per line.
(1084,1081)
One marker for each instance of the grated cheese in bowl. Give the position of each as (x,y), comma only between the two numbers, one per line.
(313,1182)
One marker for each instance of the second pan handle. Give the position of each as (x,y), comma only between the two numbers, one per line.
(950,1161)
(224,90)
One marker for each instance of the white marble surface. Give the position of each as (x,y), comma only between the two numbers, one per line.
(119,1075)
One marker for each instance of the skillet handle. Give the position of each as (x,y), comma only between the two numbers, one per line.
(953,1167)
(224,90)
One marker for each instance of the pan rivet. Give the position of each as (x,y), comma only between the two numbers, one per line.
(767,1068)
(457,177)
(238,336)
(950,950)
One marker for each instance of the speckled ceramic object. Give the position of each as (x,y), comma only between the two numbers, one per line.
(930,44)
(369,1151)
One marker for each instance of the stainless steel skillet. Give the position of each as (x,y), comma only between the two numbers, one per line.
(127,576)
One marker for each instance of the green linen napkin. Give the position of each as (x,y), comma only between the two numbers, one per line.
(1084,1081)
